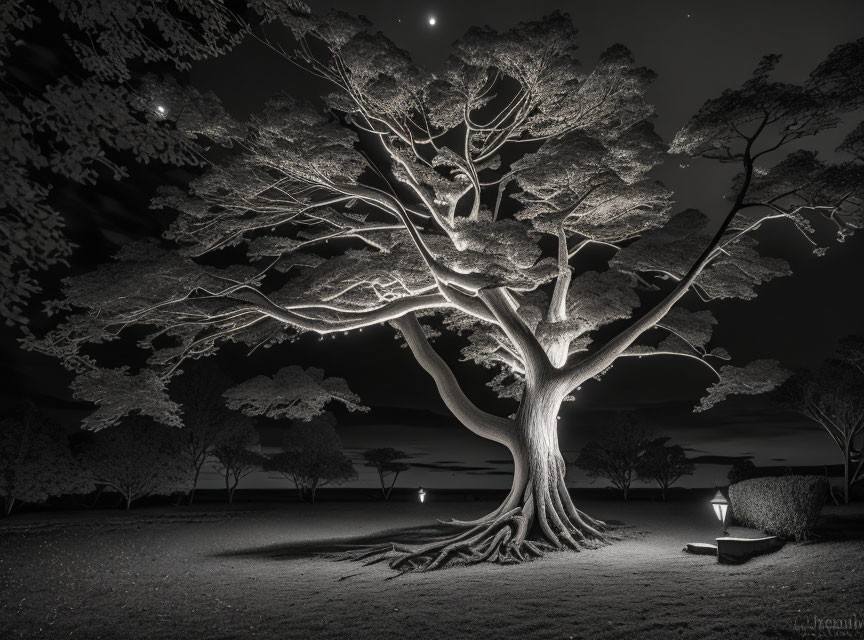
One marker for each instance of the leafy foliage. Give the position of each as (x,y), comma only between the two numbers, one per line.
(291,393)
(207,423)
(786,506)
(468,198)
(312,457)
(237,455)
(664,464)
(759,376)
(35,459)
(387,462)
(137,459)
(94,113)
(617,455)
(833,398)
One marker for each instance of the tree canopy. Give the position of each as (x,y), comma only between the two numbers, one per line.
(467,196)
(312,457)
(92,112)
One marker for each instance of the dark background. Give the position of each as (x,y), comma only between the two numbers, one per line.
(697,49)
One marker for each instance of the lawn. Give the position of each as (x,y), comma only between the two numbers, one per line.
(245,572)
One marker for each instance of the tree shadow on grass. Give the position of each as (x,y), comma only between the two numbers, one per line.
(339,548)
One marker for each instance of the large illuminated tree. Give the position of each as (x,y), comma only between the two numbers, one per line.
(507,198)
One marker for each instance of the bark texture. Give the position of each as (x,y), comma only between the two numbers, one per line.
(537,516)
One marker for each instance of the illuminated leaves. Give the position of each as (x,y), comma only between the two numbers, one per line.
(759,376)
(693,327)
(292,392)
(722,126)
(117,393)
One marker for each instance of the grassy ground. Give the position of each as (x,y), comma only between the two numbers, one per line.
(246,573)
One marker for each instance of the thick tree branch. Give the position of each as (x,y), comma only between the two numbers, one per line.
(504,309)
(483,424)
(574,375)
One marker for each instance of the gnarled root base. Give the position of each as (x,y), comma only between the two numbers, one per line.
(504,536)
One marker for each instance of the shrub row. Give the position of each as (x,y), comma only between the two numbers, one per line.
(785,506)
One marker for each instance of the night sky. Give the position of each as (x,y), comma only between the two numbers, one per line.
(697,49)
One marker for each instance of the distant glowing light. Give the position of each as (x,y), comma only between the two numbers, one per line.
(432,21)
(161,110)
(421,494)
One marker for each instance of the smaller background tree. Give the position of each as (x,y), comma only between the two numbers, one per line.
(312,456)
(664,464)
(616,455)
(833,397)
(207,422)
(387,462)
(238,455)
(137,458)
(35,459)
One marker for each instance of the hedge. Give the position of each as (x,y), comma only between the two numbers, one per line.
(786,506)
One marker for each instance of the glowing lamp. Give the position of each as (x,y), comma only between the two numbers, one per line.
(432,21)
(721,507)
(421,494)
(161,110)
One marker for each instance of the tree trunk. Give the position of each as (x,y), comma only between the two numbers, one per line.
(392,484)
(8,504)
(384,491)
(846,483)
(537,515)
(100,489)
(128,498)
(194,485)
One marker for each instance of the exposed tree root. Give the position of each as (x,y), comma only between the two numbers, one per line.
(508,536)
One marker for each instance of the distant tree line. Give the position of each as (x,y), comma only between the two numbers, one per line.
(140,457)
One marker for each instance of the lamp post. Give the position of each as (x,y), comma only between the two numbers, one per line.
(721,507)
(421,493)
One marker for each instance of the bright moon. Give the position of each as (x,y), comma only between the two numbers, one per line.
(432,21)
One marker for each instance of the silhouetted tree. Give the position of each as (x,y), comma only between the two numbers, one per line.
(35,460)
(465,201)
(617,455)
(207,422)
(237,455)
(833,397)
(387,462)
(664,464)
(137,458)
(312,457)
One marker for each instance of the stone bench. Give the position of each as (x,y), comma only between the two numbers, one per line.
(701,548)
(738,550)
